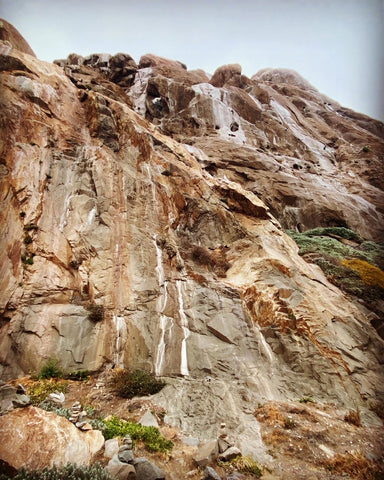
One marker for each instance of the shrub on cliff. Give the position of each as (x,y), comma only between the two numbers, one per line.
(66,472)
(149,436)
(132,383)
(369,274)
(51,369)
(354,269)
(96,312)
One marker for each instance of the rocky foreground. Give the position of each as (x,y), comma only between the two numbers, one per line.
(144,210)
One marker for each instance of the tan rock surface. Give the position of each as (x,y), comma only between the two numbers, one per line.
(33,438)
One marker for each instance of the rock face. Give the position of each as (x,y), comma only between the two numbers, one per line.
(144,212)
(33,438)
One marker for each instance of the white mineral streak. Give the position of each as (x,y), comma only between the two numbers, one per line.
(224,115)
(138,91)
(66,211)
(162,302)
(267,349)
(121,336)
(316,147)
(91,216)
(186,332)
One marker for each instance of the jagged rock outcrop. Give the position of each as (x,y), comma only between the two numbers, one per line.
(143,211)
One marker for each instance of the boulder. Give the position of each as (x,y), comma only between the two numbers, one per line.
(206,453)
(211,474)
(9,34)
(146,470)
(58,398)
(45,439)
(223,444)
(111,447)
(10,399)
(125,455)
(148,420)
(225,73)
(121,470)
(229,454)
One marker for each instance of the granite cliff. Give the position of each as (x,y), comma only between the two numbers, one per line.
(144,210)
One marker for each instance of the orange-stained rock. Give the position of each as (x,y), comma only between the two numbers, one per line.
(33,438)
(225,73)
(173,69)
(11,36)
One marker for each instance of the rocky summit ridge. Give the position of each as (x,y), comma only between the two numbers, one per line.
(144,210)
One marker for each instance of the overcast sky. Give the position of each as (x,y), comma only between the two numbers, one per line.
(338,45)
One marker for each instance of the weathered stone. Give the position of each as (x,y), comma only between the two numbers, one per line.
(8,33)
(229,454)
(223,444)
(57,398)
(10,399)
(45,439)
(146,470)
(223,74)
(211,474)
(206,453)
(148,420)
(127,440)
(123,471)
(192,441)
(84,426)
(125,455)
(111,447)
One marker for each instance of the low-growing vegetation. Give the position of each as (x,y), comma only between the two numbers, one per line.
(149,436)
(132,383)
(40,389)
(66,472)
(244,464)
(356,466)
(349,262)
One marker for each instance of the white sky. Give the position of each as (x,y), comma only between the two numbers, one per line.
(338,45)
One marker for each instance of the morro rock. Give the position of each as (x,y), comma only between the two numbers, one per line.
(143,210)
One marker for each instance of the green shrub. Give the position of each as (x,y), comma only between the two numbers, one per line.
(132,383)
(338,231)
(307,400)
(366,149)
(66,472)
(150,436)
(323,245)
(40,390)
(51,369)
